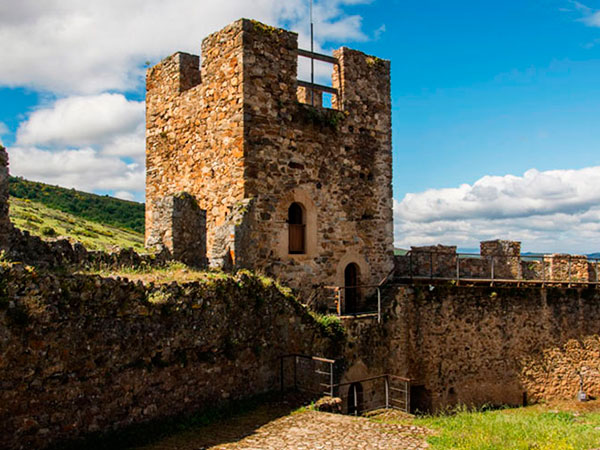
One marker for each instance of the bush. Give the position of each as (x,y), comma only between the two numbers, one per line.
(48,231)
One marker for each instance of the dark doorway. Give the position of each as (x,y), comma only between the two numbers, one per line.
(351,282)
(420,400)
(355,399)
(297,226)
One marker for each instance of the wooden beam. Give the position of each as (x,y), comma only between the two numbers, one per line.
(317,87)
(317,56)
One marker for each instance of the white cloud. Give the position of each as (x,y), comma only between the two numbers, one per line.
(83,121)
(85,169)
(70,46)
(124,195)
(549,211)
(590,17)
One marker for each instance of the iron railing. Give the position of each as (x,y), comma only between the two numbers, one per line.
(521,269)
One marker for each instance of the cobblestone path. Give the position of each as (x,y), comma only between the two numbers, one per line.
(308,430)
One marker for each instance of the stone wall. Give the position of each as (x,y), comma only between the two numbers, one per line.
(179,225)
(5,225)
(499,260)
(82,354)
(502,345)
(238,135)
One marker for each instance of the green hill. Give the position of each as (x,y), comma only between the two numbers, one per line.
(49,223)
(104,210)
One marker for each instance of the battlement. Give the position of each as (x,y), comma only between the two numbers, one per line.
(499,261)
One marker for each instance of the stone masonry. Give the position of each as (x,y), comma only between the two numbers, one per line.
(180,227)
(239,136)
(5,225)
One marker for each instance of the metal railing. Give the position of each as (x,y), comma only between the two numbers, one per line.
(379,392)
(337,296)
(310,374)
(472,267)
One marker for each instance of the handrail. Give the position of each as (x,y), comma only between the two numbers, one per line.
(529,268)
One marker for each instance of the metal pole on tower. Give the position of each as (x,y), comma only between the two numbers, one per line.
(312,60)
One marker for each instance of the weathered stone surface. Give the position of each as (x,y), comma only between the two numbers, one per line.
(500,260)
(179,225)
(500,345)
(5,225)
(80,354)
(238,133)
(504,258)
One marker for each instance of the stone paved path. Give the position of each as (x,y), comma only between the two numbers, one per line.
(308,430)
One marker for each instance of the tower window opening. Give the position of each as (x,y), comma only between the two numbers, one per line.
(297,229)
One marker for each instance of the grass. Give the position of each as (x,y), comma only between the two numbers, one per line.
(539,427)
(96,208)
(172,271)
(40,220)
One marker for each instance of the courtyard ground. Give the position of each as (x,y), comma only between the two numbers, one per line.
(301,430)
(557,426)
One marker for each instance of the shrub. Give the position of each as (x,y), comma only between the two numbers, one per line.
(48,231)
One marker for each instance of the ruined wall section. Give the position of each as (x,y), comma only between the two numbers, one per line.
(194,122)
(494,345)
(82,354)
(336,163)
(5,225)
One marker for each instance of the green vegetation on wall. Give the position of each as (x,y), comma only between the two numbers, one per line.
(96,208)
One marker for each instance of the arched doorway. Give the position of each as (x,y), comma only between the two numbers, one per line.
(297,229)
(351,290)
(355,399)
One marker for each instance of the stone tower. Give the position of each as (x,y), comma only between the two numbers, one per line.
(300,192)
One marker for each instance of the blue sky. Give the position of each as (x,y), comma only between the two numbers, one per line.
(495,105)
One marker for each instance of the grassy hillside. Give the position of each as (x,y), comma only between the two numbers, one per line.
(96,208)
(46,222)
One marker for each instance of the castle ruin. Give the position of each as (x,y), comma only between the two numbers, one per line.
(289,187)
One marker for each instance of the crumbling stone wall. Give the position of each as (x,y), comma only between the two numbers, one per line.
(179,225)
(504,258)
(500,260)
(238,132)
(82,354)
(5,225)
(501,345)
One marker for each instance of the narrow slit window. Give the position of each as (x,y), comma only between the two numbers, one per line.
(297,229)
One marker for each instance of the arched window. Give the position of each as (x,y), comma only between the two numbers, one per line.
(297,229)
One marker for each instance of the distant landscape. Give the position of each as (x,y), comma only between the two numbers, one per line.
(98,222)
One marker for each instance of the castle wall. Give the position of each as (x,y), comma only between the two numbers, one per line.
(81,354)
(494,345)
(243,145)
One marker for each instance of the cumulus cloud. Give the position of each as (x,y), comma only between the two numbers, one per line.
(81,121)
(85,169)
(75,47)
(93,143)
(546,210)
